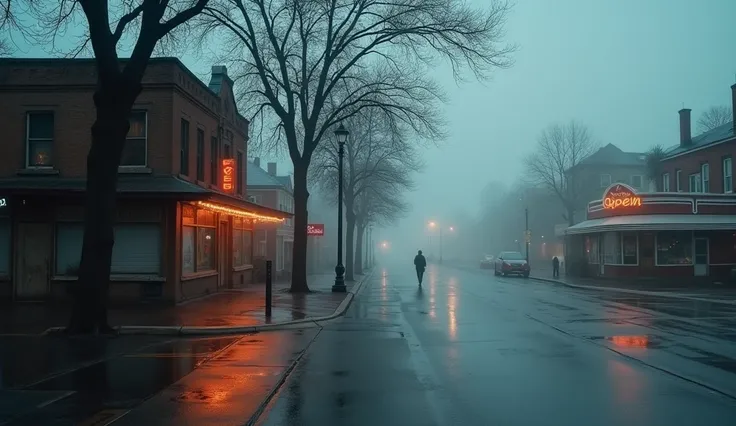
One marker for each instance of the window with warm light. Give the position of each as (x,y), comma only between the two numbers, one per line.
(135,149)
(242,242)
(198,240)
(39,139)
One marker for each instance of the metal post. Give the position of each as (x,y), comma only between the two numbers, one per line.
(269,288)
(339,286)
(526,236)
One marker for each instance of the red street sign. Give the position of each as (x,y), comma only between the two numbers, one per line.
(316,230)
(228,174)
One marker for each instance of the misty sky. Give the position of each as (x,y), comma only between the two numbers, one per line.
(622,67)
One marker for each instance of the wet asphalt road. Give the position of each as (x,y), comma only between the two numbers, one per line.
(469,348)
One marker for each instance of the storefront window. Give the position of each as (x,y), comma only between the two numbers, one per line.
(198,240)
(591,249)
(629,243)
(4,247)
(242,242)
(612,248)
(674,248)
(722,248)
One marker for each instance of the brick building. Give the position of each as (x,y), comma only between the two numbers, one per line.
(180,233)
(703,163)
(274,241)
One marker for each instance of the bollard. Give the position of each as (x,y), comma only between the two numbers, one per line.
(268,289)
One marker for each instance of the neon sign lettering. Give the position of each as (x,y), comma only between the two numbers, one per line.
(620,195)
(228,174)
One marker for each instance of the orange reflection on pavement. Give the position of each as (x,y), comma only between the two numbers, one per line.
(630,341)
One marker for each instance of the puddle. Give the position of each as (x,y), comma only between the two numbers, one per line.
(631,341)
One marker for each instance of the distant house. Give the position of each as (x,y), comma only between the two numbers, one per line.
(703,163)
(602,168)
(273,242)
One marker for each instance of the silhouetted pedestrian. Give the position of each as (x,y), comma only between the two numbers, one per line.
(421,264)
(555,267)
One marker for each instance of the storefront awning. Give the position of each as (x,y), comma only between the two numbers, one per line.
(656,222)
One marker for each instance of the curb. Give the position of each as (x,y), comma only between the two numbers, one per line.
(177,330)
(639,292)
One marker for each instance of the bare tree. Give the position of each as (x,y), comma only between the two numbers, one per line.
(378,152)
(559,149)
(118,86)
(713,117)
(298,54)
(654,163)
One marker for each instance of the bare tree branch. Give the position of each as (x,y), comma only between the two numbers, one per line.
(713,117)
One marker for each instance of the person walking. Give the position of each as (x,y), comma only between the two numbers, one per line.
(421,264)
(555,267)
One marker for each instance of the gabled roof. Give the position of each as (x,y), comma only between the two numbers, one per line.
(718,134)
(611,155)
(261,179)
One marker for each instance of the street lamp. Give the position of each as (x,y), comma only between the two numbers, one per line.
(432,224)
(341,134)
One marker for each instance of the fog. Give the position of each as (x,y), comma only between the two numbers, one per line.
(620,68)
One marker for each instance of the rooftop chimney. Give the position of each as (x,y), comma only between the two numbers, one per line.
(219,69)
(685,134)
(733,106)
(257,161)
(272,169)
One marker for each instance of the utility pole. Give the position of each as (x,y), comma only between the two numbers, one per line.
(527,236)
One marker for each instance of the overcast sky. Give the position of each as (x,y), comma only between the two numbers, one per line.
(622,67)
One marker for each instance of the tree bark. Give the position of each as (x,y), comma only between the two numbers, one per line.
(349,242)
(114,102)
(359,248)
(299,254)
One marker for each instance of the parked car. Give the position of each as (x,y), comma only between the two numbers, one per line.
(486,262)
(511,262)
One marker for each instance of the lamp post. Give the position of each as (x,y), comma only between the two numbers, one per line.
(432,225)
(341,134)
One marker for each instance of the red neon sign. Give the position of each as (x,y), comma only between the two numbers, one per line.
(620,195)
(316,230)
(228,175)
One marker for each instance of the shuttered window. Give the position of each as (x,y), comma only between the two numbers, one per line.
(137,249)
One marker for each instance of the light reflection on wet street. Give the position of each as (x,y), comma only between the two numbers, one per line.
(469,348)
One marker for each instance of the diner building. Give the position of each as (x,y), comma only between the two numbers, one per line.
(683,235)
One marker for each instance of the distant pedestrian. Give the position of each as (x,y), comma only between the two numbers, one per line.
(421,264)
(555,267)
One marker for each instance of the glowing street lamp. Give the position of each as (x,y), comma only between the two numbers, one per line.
(432,224)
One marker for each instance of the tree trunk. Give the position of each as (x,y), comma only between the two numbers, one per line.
(349,241)
(299,253)
(359,248)
(114,104)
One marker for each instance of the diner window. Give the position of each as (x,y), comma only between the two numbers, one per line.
(242,242)
(705,177)
(636,181)
(678,180)
(135,149)
(184,148)
(694,183)
(665,182)
(630,248)
(674,248)
(198,240)
(727,176)
(39,139)
(214,158)
(591,249)
(200,155)
(605,181)
(722,248)
(612,248)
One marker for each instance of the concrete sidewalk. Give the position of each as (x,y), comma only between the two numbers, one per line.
(721,294)
(226,312)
